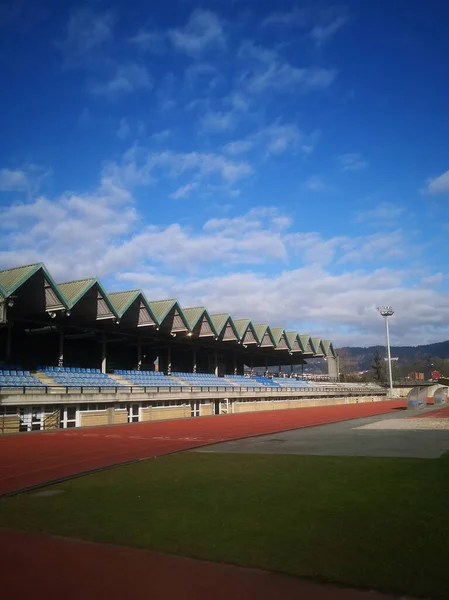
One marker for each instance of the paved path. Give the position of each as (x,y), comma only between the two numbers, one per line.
(40,566)
(33,459)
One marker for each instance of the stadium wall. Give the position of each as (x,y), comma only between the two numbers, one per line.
(29,412)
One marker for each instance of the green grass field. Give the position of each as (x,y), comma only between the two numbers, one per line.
(375,523)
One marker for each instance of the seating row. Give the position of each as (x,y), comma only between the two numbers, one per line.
(13,373)
(67,370)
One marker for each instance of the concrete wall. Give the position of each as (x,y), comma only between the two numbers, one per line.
(9,424)
(207,410)
(120,416)
(170,412)
(145,414)
(94,418)
(245,407)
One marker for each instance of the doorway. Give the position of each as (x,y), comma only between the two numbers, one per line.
(133,413)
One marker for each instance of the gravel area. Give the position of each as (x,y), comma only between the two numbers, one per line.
(409,424)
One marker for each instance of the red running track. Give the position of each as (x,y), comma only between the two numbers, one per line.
(441,413)
(33,459)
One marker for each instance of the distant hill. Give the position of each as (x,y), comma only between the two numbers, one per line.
(360,359)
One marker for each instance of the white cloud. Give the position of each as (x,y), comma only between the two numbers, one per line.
(184,191)
(273,139)
(26,179)
(317,184)
(322,34)
(153,41)
(202,164)
(127,78)
(270,72)
(218,122)
(434,279)
(382,246)
(161,136)
(203,30)
(124,129)
(246,264)
(384,213)
(238,101)
(295,17)
(86,31)
(238,147)
(12,180)
(438,185)
(352,161)
(203,73)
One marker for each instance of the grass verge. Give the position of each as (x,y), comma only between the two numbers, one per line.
(368,522)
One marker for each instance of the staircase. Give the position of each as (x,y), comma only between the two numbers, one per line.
(119,379)
(52,421)
(47,381)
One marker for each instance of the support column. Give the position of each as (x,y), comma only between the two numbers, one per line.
(103,352)
(266,366)
(291,370)
(332,367)
(139,354)
(61,347)
(8,341)
(194,362)
(169,361)
(235,363)
(216,363)
(251,365)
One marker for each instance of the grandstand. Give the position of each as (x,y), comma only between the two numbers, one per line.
(72,354)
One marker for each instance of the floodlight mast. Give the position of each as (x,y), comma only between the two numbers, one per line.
(387,311)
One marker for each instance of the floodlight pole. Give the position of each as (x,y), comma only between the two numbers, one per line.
(387,311)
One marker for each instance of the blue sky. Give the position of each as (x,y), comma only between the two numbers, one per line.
(282,161)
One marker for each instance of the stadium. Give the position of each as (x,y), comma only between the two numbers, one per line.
(75,355)
(137,432)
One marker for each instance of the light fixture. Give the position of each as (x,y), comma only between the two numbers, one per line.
(52,315)
(10,302)
(387,311)
(189,334)
(117,321)
(173,334)
(68,313)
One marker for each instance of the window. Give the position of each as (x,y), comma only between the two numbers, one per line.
(8,411)
(167,403)
(93,406)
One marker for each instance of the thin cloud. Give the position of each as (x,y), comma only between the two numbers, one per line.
(153,41)
(218,122)
(317,184)
(203,30)
(87,30)
(438,185)
(322,34)
(126,79)
(26,179)
(384,213)
(352,161)
(295,17)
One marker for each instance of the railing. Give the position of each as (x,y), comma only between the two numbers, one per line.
(52,421)
(55,389)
